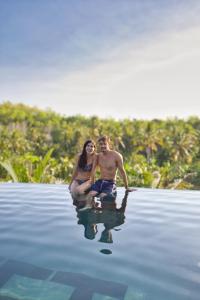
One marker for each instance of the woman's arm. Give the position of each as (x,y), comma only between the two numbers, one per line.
(95,163)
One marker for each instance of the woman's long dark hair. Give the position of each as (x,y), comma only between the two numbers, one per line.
(83,157)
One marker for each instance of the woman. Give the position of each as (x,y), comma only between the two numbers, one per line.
(83,175)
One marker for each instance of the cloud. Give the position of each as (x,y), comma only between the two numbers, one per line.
(154,76)
(154,80)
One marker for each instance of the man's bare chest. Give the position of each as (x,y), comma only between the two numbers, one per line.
(108,163)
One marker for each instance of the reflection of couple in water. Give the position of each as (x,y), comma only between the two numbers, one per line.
(83,189)
(107,213)
(82,186)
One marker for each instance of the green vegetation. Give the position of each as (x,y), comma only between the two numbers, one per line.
(40,146)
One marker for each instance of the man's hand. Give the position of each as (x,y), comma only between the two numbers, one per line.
(128,190)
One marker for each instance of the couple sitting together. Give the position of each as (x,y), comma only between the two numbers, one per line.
(108,161)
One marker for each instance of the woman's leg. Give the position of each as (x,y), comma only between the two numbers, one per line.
(74,187)
(83,187)
(89,200)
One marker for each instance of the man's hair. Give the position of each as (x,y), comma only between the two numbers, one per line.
(104,138)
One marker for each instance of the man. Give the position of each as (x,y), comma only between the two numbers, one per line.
(109,162)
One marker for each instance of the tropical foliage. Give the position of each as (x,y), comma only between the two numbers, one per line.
(40,146)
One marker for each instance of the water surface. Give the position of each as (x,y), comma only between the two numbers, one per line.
(150,249)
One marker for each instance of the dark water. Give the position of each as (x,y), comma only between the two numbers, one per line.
(148,247)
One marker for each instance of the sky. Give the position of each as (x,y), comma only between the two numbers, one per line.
(110,58)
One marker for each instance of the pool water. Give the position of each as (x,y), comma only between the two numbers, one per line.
(145,247)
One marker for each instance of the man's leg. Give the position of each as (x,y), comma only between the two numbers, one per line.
(108,189)
(102,195)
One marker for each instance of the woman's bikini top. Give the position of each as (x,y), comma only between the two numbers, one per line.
(87,168)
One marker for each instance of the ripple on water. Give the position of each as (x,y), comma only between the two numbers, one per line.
(156,250)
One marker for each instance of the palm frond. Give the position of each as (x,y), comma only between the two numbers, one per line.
(9,168)
(39,171)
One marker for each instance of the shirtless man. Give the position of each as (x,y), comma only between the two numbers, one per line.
(109,162)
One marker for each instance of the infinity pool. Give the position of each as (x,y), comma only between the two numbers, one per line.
(148,247)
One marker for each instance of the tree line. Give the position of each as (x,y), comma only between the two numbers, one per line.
(40,146)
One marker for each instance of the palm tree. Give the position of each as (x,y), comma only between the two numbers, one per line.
(149,140)
(181,145)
